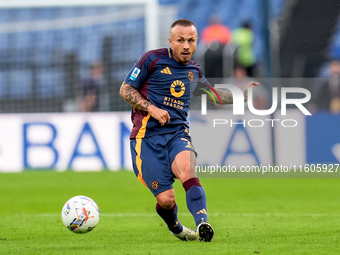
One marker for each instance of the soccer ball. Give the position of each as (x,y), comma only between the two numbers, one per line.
(80,214)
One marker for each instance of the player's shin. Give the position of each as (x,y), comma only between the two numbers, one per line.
(170,218)
(196,200)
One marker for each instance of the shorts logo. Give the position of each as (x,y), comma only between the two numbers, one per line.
(134,74)
(191,76)
(188,143)
(177,88)
(154,184)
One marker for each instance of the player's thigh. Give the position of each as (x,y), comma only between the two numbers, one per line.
(183,166)
(151,164)
(182,156)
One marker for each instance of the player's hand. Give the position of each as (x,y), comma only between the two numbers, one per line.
(251,85)
(161,115)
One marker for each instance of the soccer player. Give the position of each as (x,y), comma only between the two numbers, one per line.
(159,87)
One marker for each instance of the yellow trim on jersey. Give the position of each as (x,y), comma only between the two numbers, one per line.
(169,52)
(140,135)
(142,130)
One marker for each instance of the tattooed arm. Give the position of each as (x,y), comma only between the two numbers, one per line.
(227,97)
(133,97)
(250,85)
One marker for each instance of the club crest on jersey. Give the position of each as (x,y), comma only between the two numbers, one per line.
(177,88)
(134,74)
(191,76)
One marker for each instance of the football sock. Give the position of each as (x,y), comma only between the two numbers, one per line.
(196,200)
(170,218)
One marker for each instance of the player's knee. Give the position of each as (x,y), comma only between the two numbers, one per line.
(167,202)
(185,174)
(166,199)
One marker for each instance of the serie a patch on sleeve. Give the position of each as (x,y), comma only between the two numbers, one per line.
(134,74)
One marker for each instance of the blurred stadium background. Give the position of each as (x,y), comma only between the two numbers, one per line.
(46,49)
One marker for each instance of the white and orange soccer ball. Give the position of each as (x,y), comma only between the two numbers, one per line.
(80,214)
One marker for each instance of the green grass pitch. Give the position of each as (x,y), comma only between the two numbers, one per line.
(250,216)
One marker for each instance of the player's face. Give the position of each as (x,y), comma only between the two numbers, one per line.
(183,41)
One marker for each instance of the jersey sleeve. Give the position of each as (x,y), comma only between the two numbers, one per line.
(139,73)
(203,83)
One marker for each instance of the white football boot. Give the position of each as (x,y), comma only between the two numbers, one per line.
(187,234)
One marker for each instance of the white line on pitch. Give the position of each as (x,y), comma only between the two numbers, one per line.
(210,214)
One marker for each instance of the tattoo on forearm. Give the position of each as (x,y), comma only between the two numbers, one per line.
(133,97)
(226,97)
(245,94)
